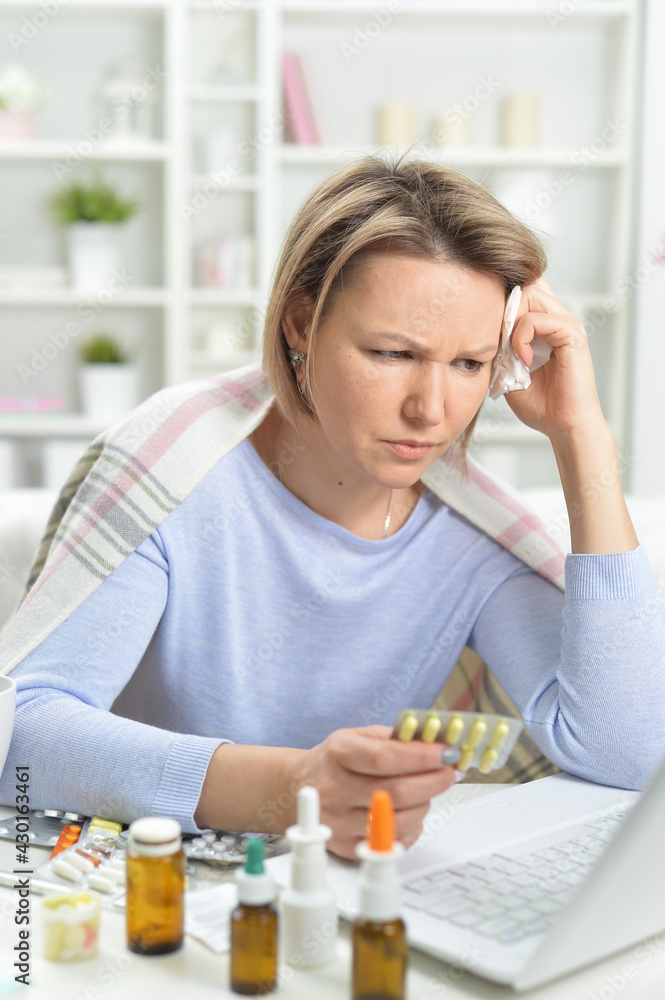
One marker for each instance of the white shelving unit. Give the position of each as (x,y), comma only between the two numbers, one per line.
(217,167)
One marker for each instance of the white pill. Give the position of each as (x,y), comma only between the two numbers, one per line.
(76,859)
(210,838)
(118,875)
(100,883)
(118,863)
(198,842)
(65,870)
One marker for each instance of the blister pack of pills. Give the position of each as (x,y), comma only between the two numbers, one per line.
(45,825)
(95,863)
(485,741)
(225,850)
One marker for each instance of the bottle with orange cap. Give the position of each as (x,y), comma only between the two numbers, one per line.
(379,936)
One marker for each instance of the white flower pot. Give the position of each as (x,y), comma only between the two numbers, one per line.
(108,391)
(92,255)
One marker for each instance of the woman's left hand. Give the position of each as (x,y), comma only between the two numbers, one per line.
(562,396)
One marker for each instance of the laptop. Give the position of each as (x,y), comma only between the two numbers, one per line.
(524,885)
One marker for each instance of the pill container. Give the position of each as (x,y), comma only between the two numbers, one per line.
(71,926)
(155,886)
(484,740)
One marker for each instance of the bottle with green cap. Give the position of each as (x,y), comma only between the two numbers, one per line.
(254,928)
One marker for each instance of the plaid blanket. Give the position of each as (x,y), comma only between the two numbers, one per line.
(136,472)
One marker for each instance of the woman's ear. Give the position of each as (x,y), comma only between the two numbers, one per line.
(296,319)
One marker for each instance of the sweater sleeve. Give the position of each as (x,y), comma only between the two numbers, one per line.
(586,671)
(82,756)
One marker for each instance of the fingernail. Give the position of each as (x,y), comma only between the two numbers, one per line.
(450,756)
(459,775)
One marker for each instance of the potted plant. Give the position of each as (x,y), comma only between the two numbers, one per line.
(108,380)
(91,212)
(20,98)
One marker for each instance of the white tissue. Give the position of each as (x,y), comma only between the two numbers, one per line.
(509,372)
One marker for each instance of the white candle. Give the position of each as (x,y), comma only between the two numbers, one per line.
(396,124)
(520,120)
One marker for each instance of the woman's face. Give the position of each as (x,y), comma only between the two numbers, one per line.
(370,388)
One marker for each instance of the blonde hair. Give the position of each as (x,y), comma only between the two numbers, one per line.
(396,205)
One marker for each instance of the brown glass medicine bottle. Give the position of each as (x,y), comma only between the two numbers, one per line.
(380,949)
(254,928)
(155,886)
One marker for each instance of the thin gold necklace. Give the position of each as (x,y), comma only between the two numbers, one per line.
(279,472)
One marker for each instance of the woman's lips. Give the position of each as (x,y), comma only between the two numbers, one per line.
(409,451)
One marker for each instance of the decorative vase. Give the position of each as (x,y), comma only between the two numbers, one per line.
(108,391)
(92,255)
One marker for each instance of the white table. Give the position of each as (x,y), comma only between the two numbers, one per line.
(196,973)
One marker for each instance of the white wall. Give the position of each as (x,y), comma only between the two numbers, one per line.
(648,279)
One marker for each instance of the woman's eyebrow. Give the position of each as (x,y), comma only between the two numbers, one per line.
(411,345)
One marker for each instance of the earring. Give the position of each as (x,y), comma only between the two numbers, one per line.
(296,356)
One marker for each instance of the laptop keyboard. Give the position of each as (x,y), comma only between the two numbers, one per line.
(511,897)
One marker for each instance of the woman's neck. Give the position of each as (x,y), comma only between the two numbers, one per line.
(305,471)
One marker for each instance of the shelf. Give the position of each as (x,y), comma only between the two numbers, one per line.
(600,9)
(50,426)
(238,183)
(125,5)
(234,92)
(70,297)
(225,362)
(108,149)
(224,296)
(241,5)
(293,153)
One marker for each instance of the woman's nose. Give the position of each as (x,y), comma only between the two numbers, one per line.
(426,395)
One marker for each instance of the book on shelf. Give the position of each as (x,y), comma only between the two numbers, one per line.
(300,125)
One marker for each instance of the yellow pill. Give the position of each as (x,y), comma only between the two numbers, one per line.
(468,753)
(454,730)
(476,733)
(409,726)
(487,760)
(99,823)
(431,728)
(499,735)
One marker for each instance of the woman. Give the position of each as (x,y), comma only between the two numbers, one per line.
(239,641)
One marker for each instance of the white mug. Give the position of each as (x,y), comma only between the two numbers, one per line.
(7,707)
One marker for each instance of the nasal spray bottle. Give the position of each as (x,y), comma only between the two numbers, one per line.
(379,936)
(308,912)
(254,928)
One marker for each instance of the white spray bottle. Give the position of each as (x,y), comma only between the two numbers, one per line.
(308,912)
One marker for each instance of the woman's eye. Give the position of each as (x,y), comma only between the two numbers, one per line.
(385,354)
(468,365)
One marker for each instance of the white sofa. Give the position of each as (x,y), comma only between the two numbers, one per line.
(23,515)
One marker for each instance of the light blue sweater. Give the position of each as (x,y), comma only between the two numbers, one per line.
(248,617)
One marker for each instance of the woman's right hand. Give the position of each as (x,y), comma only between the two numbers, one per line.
(350,764)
